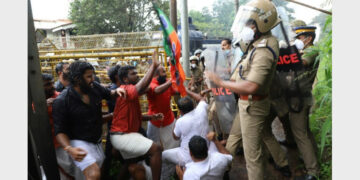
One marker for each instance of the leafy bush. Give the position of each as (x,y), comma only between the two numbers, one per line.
(321,118)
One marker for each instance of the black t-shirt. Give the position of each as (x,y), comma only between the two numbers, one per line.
(75,118)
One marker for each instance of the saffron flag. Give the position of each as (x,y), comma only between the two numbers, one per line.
(172,48)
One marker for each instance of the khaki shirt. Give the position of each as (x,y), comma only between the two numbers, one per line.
(142,68)
(307,75)
(262,67)
(196,74)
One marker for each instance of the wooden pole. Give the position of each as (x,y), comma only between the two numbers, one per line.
(311,7)
(39,125)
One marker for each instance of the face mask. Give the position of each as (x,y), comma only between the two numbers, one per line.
(299,44)
(227,52)
(161,79)
(247,35)
(193,66)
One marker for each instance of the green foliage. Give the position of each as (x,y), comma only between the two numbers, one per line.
(112,16)
(217,22)
(321,118)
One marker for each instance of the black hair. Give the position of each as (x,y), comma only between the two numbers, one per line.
(77,70)
(228,41)
(47,77)
(198,147)
(59,67)
(185,104)
(113,72)
(123,72)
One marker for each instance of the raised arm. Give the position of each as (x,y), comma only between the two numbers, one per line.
(195,96)
(160,89)
(142,85)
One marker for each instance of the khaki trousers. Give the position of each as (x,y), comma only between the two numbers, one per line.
(256,129)
(299,125)
(235,140)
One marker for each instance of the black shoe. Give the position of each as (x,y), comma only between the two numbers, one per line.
(310,177)
(306,177)
(285,171)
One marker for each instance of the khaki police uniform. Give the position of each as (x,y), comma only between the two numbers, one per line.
(142,67)
(235,137)
(196,74)
(254,111)
(299,121)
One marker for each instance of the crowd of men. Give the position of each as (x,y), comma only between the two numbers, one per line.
(185,146)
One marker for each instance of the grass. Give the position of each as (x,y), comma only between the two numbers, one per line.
(321,117)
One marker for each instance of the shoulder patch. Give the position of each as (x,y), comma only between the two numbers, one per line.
(262,43)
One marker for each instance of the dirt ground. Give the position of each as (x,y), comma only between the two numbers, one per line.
(238,171)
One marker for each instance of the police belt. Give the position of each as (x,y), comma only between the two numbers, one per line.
(253,97)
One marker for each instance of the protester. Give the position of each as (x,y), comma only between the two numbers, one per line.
(159,98)
(126,123)
(62,70)
(205,165)
(193,121)
(78,118)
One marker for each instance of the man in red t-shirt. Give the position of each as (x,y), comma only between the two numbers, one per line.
(127,119)
(159,98)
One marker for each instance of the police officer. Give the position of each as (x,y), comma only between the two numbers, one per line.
(201,60)
(299,120)
(253,78)
(196,75)
(234,142)
(143,66)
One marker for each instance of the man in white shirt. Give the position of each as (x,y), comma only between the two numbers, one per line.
(204,166)
(193,121)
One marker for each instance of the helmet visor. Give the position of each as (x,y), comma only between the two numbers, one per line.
(244,18)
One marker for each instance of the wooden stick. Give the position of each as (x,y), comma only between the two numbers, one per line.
(318,9)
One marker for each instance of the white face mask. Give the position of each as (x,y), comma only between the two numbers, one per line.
(193,65)
(227,52)
(247,35)
(299,44)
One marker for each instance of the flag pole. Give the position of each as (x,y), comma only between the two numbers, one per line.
(185,38)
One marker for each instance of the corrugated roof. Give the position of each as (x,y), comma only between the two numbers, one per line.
(50,24)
